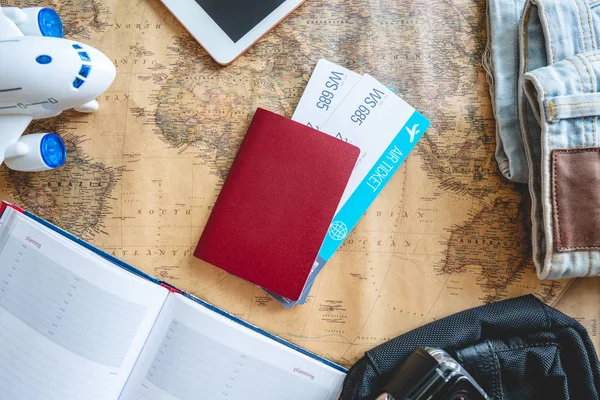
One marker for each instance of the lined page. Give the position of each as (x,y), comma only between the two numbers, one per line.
(194,353)
(71,326)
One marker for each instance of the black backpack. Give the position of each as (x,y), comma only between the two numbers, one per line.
(514,349)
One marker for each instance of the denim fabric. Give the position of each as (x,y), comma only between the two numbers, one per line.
(551,30)
(565,98)
(558,67)
(555,30)
(546,100)
(501,61)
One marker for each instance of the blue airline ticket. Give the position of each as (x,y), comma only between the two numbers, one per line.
(386,129)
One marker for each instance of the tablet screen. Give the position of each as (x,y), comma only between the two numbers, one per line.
(238,17)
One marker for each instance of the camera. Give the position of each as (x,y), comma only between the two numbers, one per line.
(431,374)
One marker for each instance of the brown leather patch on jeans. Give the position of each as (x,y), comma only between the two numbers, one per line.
(576,199)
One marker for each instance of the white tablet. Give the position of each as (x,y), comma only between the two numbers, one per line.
(227,28)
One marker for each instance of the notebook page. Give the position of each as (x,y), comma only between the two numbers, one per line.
(194,353)
(71,326)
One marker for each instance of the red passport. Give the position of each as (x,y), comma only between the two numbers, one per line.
(277,203)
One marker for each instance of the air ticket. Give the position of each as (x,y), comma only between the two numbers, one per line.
(386,129)
(329,84)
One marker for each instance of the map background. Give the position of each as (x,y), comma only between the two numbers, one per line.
(448,233)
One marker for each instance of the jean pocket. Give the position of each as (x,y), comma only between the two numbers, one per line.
(576,199)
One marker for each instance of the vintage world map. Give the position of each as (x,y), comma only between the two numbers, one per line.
(448,233)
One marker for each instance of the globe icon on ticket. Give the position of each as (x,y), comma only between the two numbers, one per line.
(338,230)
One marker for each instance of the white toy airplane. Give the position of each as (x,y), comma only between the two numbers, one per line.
(41,75)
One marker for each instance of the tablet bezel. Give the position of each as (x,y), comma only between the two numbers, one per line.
(214,40)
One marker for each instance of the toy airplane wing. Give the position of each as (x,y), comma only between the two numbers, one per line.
(14,123)
(11,129)
(33,152)
(32,21)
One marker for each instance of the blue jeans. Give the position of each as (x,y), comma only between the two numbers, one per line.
(501,61)
(548,134)
(561,122)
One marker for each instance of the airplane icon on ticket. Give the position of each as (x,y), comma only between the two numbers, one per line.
(413,132)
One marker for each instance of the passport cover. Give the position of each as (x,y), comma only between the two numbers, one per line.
(277,203)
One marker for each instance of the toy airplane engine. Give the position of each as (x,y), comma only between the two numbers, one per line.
(42,75)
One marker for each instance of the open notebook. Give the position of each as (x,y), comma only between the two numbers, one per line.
(78,324)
